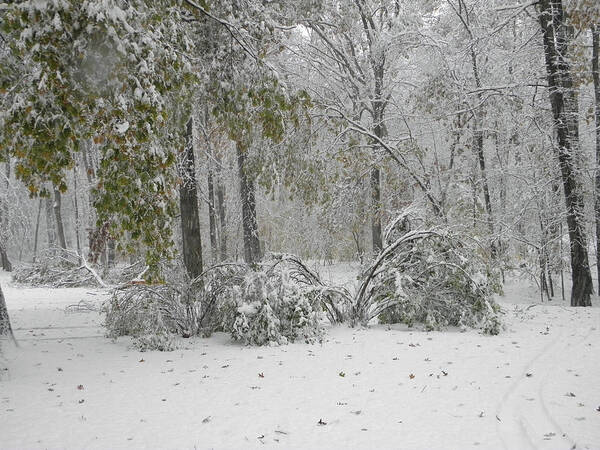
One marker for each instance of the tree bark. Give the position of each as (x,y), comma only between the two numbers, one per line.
(77,221)
(188,204)
(252,253)
(5,328)
(222,219)
(212,219)
(6,264)
(4,224)
(564,102)
(596,77)
(37,231)
(50,223)
(376,213)
(58,218)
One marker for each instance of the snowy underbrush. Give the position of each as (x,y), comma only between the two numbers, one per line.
(429,276)
(276,302)
(56,268)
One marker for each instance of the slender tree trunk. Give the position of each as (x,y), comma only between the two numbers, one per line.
(5,328)
(596,76)
(212,219)
(77,221)
(252,252)
(111,252)
(188,204)
(376,215)
(50,223)
(563,102)
(4,224)
(58,218)
(37,231)
(222,219)
(478,147)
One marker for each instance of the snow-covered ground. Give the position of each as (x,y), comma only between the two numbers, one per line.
(534,386)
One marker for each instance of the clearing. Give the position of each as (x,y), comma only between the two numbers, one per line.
(534,386)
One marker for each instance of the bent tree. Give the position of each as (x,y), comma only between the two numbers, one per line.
(565,113)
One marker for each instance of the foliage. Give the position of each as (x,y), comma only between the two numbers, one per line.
(95,70)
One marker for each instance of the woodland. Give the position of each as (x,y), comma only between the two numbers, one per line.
(196,157)
(311,223)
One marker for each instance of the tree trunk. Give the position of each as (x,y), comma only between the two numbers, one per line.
(50,223)
(5,328)
(478,147)
(77,221)
(37,231)
(58,217)
(212,219)
(252,252)
(4,225)
(222,219)
(188,204)
(6,264)
(376,213)
(596,76)
(563,102)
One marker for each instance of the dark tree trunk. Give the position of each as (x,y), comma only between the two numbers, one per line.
(188,204)
(111,253)
(58,218)
(252,252)
(379,130)
(50,223)
(92,227)
(77,221)
(478,147)
(596,76)
(222,219)
(563,101)
(6,264)
(5,328)
(212,219)
(376,217)
(37,231)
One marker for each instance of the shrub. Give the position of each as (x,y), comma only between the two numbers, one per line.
(277,302)
(270,308)
(429,276)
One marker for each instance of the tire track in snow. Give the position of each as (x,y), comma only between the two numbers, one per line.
(524,419)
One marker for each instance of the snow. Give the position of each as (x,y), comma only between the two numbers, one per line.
(534,386)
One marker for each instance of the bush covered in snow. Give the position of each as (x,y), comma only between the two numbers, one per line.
(429,276)
(277,302)
(55,268)
(269,307)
